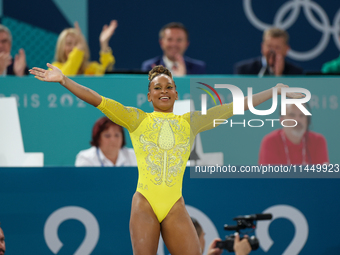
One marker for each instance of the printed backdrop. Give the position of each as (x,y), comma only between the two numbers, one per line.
(55,122)
(86,211)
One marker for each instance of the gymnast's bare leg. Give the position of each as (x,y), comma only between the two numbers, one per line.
(144,227)
(178,231)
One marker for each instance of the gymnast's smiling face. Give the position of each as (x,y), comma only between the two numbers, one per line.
(162,93)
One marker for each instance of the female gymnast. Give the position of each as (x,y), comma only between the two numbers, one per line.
(161,141)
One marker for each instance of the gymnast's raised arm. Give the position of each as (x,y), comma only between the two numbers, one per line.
(55,75)
(200,123)
(263,96)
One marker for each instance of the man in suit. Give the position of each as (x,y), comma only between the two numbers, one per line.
(17,67)
(174,41)
(274,49)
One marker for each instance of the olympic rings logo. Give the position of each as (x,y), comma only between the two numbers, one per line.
(294,7)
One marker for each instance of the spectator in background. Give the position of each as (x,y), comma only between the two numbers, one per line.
(241,247)
(72,52)
(17,67)
(294,145)
(174,41)
(2,242)
(332,66)
(274,49)
(107,149)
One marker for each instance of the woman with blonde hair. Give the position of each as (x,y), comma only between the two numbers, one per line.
(72,54)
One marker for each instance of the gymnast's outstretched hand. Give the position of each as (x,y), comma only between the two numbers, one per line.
(53,75)
(263,96)
(279,86)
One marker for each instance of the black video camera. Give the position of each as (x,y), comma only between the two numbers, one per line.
(243,222)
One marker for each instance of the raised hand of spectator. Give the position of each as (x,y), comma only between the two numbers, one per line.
(19,65)
(180,69)
(81,45)
(5,61)
(106,34)
(279,64)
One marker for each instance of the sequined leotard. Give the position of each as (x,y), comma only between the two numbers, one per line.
(162,145)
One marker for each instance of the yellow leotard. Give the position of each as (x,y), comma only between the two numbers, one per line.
(162,144)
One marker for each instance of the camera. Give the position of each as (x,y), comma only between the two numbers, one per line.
(243,222)
(228,243)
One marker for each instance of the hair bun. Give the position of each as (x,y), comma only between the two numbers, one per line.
(157,70)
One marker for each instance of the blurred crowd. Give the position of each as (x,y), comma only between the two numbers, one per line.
(72,54)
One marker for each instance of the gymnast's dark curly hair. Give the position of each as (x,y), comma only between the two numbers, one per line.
(158,70)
